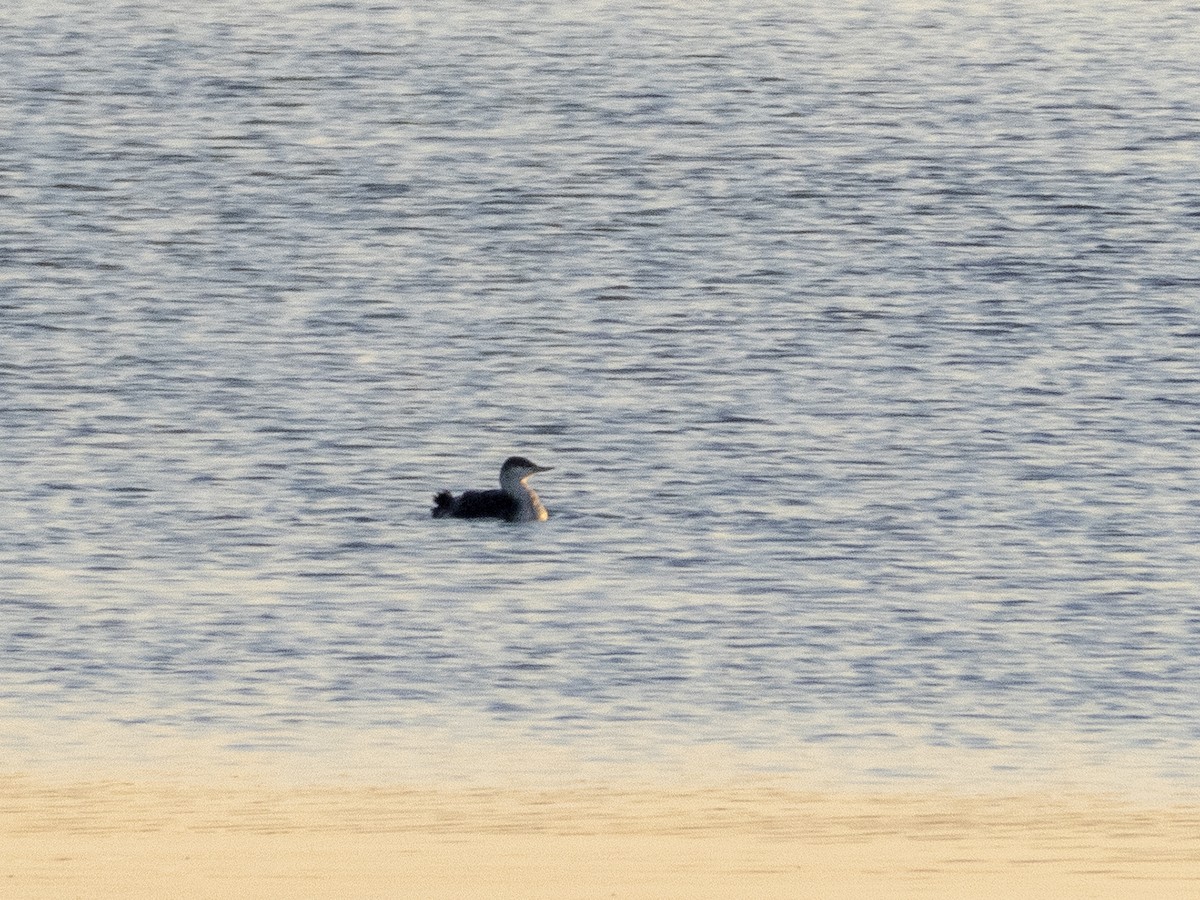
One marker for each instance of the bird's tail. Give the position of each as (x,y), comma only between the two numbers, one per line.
(444,505)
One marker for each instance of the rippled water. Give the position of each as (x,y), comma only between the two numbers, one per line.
(864,341)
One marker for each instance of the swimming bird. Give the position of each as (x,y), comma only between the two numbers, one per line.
(514,502)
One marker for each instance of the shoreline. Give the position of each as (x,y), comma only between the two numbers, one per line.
(251,837)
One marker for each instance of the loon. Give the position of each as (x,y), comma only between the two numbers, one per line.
(514,502)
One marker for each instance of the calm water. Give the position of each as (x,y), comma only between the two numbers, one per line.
(865,342)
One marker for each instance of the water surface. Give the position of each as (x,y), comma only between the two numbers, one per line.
(864,342)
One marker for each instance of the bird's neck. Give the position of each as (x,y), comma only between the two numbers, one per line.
(512,483)
(530,506)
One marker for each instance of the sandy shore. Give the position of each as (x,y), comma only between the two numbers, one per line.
(238,838)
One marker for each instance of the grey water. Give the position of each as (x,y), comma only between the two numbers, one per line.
(864,340)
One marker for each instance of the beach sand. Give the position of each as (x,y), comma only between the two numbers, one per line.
(248,838)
